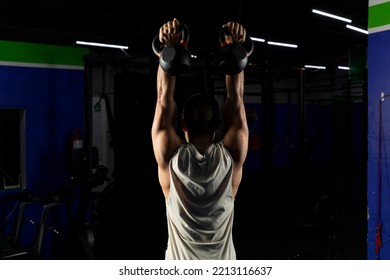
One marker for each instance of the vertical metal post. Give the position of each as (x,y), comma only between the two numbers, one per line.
(267,127)
(301,98)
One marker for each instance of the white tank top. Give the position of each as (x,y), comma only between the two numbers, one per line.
(200,206)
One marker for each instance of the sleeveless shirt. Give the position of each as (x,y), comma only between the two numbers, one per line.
(200,206)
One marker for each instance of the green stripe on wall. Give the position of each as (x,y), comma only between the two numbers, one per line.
(41,53)
(379,15)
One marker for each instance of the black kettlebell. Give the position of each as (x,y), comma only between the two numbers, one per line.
(175,59)
(233,58)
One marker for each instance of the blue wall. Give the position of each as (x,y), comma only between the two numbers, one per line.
(378,184)
(321,128)
(53,100)
(47,82)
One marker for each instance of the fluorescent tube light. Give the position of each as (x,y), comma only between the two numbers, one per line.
(331,15)
(101,45)
(257,39)
(282,44)
(343,67)
(315,66)
(357,29)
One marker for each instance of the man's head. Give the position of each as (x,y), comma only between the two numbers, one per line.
(200,114)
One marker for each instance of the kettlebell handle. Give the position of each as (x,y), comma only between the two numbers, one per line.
(158,47)
(247,44)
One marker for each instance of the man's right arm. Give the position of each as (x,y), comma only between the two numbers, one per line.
(235,122)
(236,128)
(237,134)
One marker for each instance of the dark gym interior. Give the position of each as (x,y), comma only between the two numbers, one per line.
(303,194)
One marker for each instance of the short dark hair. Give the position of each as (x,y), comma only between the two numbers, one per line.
(201,113)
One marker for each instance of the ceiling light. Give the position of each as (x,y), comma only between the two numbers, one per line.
(331,15)
(343,67)
(101,45)
(315,66)
(257,39)
(282,44)
(357,29)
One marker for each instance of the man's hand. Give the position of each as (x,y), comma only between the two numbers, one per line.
(170,32)
(236,33)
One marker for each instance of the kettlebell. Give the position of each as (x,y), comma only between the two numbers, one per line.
(174,59)
(233,58)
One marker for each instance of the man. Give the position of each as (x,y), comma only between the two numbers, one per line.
(200,177)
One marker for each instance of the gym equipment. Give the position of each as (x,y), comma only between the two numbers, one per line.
(174,59)
(233,58)
(16,249)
